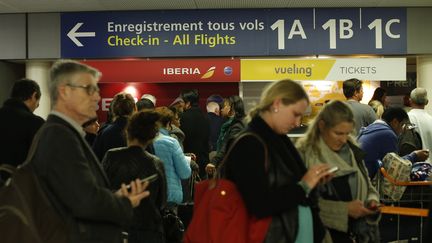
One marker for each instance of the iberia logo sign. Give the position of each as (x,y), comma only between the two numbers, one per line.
(189,71)
(209,73)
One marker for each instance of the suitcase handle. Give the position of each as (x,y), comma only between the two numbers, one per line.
(403,183)
(419,212)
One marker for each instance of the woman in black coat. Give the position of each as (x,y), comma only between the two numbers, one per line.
(278,186)
(228,131)
(124,164)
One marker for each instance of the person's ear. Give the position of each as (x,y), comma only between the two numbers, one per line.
(394,124)
(33,97)
(321,125)
(276,104)
(62,91)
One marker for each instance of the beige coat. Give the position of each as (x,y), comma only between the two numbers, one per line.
(334,214)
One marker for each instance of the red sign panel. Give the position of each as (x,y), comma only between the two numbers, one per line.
(168,71)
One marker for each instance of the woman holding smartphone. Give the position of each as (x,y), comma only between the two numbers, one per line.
(348,203)
(126,163)
(277,185)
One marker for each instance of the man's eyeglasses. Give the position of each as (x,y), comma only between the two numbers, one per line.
(89,88)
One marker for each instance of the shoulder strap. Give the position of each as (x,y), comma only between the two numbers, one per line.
(234,143)
(35,143)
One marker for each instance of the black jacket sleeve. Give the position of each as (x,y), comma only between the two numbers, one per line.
(246,167)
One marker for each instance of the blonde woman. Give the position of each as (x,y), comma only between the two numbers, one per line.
(348,204)
(378,107)
(282,189)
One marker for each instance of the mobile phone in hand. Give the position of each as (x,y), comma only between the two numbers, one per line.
(333,169)
(150,179)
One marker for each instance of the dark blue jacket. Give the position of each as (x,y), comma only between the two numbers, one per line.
(113,136)
(216,123)
(376,140)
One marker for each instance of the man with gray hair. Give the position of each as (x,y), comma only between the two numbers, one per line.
(420,117)
(69,170)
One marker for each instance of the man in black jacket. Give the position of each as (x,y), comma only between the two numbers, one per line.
(196,127)
(76,184)
(18,124)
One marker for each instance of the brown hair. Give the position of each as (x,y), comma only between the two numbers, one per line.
(166,115)
(123,104)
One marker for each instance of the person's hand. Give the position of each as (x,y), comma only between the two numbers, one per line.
(422,154)
(210,169)
(194,166)
(315,174)
(136,193)
(356,209)
(373,205)
(192,155)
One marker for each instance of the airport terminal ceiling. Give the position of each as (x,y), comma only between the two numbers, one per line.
(32,6)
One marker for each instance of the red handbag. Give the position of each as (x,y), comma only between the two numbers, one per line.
(220,215)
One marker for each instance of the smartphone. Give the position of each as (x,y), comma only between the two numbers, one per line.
(149,179)
(375,208)
(333,169)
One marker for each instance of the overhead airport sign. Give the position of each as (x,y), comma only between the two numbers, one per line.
(323,69)
(260,32)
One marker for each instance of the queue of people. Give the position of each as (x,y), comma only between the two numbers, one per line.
(317,190)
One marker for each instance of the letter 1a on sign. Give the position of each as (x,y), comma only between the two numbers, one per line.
(377,25)
(296,29)
(345,30)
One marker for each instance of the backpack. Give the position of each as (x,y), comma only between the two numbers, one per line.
(220,215)
(26,214)
(409,141)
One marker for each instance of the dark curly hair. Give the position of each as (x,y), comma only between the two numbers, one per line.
(143,126)
(123,104)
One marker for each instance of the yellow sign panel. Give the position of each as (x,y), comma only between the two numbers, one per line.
(299,69)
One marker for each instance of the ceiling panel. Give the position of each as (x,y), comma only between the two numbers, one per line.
(22,6)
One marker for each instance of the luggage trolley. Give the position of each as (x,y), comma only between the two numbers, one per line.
(408,214)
